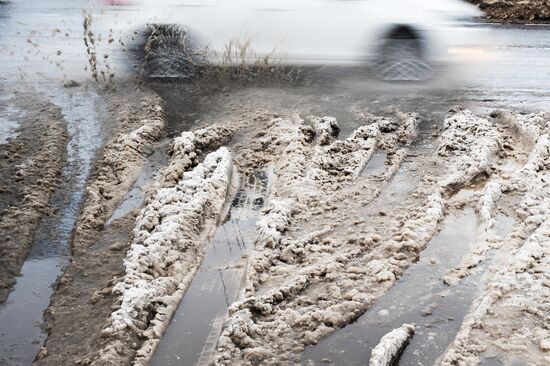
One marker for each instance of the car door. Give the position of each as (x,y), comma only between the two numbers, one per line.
(314,31)
(214,23)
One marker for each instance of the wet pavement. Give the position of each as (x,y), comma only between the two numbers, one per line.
(9,119)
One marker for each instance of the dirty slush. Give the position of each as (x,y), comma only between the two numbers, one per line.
(332,239)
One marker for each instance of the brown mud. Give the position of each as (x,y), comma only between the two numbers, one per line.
(82,294)
(30,170)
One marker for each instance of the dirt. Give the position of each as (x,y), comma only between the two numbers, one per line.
(515,11)
(30,170)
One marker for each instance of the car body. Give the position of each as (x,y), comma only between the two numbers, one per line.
(316,32)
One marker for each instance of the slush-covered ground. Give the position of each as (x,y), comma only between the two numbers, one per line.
(327,219)
(336,232)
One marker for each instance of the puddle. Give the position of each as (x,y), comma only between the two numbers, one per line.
(135,197)
(21,315)
(194,330)
(376,165)
(419,297)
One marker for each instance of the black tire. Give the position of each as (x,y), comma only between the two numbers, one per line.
(169,52)
(400,57)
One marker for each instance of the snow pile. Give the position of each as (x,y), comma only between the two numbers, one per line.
(169,242)
(532,129)
(468,146)
(511,316)
(326,129)
(290,170)
(265,146)
(397,134)
(391,345)
(529,126)
(188,146)
(345,160)
(120,163)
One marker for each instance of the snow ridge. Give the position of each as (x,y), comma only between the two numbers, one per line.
(169,242)
(391,345)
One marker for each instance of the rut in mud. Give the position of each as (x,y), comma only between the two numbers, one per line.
(351,212)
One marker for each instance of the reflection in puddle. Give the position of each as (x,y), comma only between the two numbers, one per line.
(26,302)
(194,330)
(419,297)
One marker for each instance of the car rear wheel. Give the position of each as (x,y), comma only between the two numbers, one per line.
(400,57)
(168,53)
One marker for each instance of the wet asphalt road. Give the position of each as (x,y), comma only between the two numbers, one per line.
(41,45)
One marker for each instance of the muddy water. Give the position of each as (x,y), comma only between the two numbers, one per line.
(419,297)
(21,315)
(192,334)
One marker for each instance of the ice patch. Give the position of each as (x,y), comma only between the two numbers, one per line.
(8,130)
(478,138)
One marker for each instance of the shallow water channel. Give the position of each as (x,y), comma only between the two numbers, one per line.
(21,315)
(419,297)
(194,329)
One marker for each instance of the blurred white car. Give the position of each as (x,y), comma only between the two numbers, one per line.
(399,39)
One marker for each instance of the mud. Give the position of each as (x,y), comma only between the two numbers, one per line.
(515,11)
(50,247)
(30,171)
